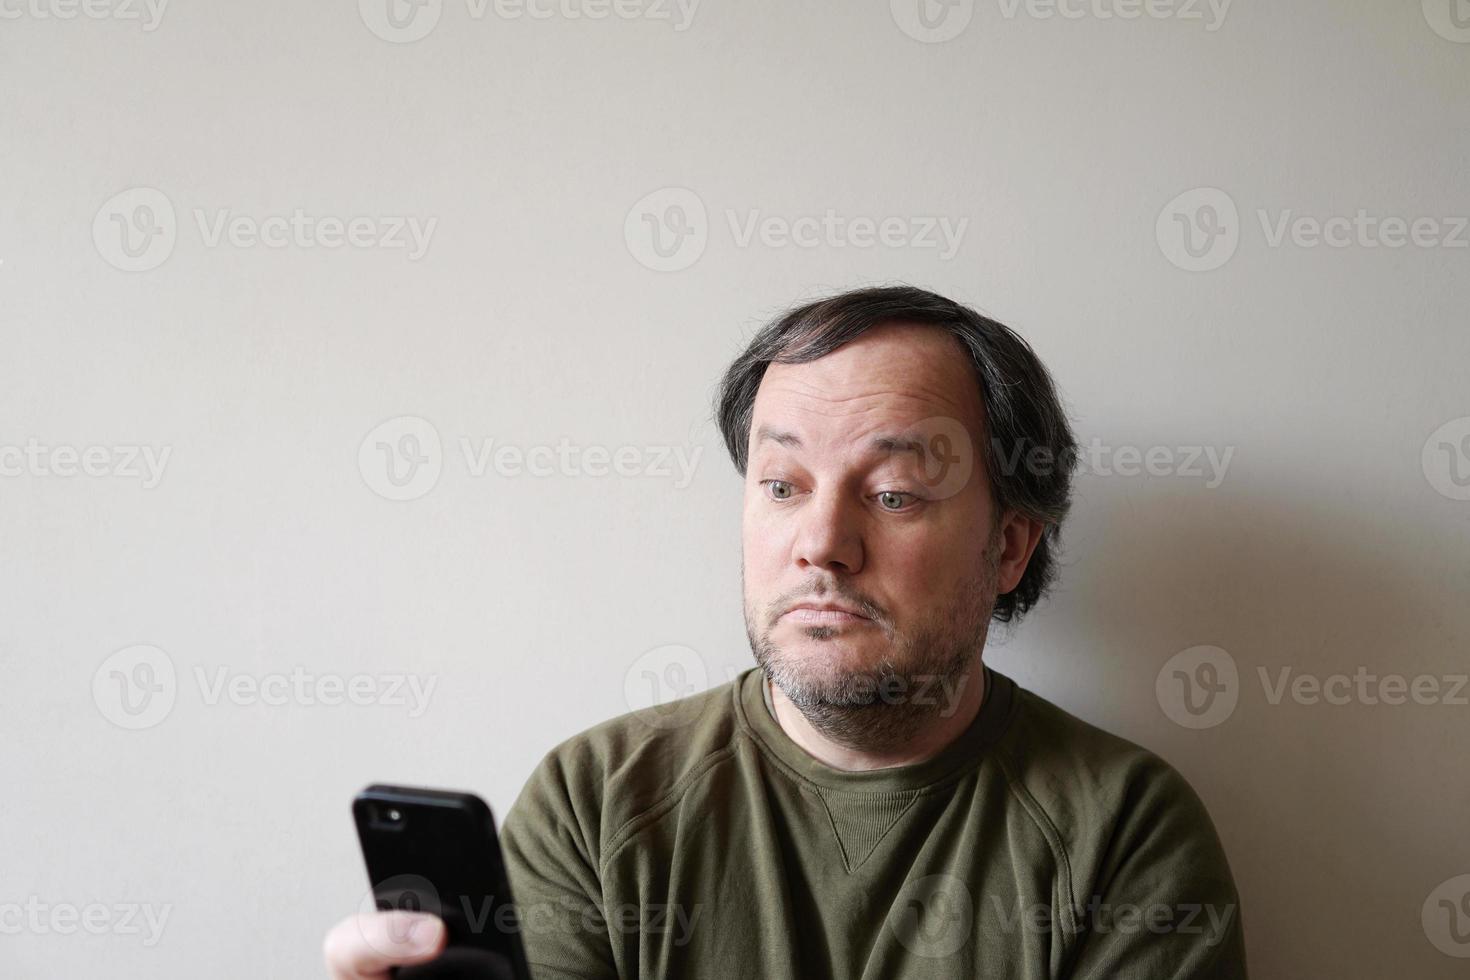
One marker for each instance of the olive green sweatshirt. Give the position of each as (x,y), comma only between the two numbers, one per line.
(697,841)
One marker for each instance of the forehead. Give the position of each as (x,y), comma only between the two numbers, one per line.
(894,375)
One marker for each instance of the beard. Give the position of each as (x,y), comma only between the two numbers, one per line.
(882,705)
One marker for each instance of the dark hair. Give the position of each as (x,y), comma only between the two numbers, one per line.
(1023,413)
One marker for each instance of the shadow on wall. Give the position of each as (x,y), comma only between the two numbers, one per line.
(1302,663)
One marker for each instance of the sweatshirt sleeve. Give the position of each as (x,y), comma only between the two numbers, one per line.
(551,848)
(1163,903)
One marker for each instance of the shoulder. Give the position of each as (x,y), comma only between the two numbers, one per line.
(1111,808)
(607,776)
(1136,854)
(1078,770)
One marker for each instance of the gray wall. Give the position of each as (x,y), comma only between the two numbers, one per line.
(592,200)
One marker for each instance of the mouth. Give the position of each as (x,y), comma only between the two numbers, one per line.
(824,614)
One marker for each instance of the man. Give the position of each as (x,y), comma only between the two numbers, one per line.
(873,801)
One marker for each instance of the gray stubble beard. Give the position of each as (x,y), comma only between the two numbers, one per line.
(928,669)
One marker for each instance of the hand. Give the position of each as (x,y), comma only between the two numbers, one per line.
(368,945)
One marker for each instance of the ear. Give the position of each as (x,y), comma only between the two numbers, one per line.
(1019,536)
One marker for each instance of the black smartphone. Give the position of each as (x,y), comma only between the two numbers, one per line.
(436,851)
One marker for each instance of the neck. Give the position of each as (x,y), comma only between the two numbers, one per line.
(957,710)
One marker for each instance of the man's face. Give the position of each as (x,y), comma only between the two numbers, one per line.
(833,515)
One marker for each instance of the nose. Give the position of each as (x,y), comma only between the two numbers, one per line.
(829,536)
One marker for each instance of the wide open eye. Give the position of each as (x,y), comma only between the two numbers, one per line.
(894,499)
(778,489)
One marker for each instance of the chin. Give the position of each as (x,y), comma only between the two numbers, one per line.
(832,657)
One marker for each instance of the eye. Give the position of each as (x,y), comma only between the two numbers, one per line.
(893,499)
(779,489)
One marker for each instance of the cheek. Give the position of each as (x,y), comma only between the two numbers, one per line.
(911,576)
(763,529)
(761,551)
(920,571)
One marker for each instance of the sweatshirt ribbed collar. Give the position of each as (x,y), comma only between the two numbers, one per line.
(757,717)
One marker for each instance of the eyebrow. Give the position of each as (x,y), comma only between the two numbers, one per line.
(888,444)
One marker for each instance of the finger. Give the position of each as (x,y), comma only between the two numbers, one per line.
(364,947)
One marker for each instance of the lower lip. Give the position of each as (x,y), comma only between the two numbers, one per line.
(825,617)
